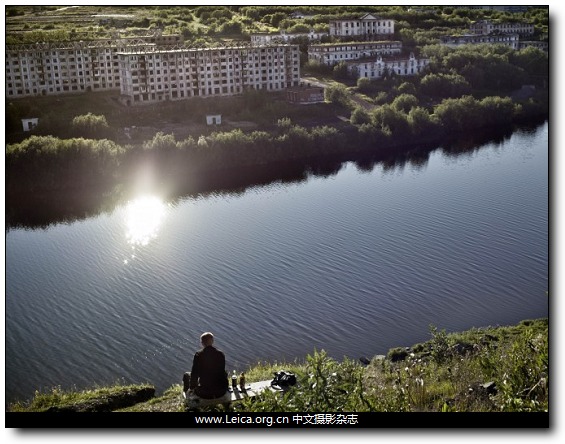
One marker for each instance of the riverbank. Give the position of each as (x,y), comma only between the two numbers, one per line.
(36,194)
(69,161)
(492,369)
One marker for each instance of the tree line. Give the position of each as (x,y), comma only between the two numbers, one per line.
(49,163)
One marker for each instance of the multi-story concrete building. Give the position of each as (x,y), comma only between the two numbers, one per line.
(104,65)
(511,40)
(333,53)
(484,27)
(376,68)
(71,67)
(270,38)
(157,75)
(544,46)
(367,25)
(512,9)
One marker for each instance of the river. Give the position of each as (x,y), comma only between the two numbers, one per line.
(355,261)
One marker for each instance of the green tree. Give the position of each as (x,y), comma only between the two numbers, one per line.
(533,61)
(459,114)
(497,110)
(420,121)
(391,121)
(360,116)
(404,102)
(90,125)
(232,27)
(340,71)
(407,88)
(161,142)
(364,85)
(276,18)
(444,85)
(337,94)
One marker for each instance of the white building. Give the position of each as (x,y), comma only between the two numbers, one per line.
(511,40)
(485,27)
(269,38)
(332,53)
(29,123)
(376,68)
(367,25)
(544,46)
(157,75)
(213,119)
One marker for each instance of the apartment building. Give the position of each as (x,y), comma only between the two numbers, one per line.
(544,46)
(269,38)
(69,67)
(156,75)
(376,68)
(484,27)
(511,40)
(367,25)
(332,53)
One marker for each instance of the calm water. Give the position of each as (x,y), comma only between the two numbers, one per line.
(355,263)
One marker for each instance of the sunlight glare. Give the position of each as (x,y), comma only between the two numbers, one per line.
(144,216)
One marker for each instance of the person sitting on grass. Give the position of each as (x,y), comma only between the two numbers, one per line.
(208,377)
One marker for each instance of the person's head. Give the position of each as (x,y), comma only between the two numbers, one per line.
(206,339)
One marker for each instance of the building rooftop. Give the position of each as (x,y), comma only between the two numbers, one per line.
(385,58)
(357,43)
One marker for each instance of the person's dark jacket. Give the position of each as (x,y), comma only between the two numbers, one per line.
(208,377)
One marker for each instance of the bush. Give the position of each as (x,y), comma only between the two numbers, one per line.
(340,71)
(444,85)
(337,94)
(391,121)
(364,85)
(325,385)
(420,121)
(407,88)
(90,125)
(404,102)
(455,114)
(360,116)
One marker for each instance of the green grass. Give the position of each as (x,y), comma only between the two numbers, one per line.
(446,373)
(57,397)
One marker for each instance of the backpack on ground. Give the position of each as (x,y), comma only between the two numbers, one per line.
(283,379)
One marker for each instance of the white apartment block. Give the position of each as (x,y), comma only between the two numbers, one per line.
(485,27)
(332,53)
(544,46)
(511,40)
(66,67)
(367,25)
(376,68)
(159,75)
(266,38)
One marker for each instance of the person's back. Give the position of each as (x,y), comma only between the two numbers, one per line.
(208,377)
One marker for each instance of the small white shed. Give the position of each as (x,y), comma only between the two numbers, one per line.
(214,119)
(29,124)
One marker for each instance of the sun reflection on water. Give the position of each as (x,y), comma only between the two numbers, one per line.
(144,216)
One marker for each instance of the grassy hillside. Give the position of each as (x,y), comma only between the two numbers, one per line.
(480,370)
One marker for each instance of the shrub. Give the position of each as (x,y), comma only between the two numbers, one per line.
(337,94)
(444,85)
(360,116)
(325,385)
(364,85)
(90,125)
(404,102)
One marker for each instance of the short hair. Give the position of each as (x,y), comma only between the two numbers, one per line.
(207,338)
